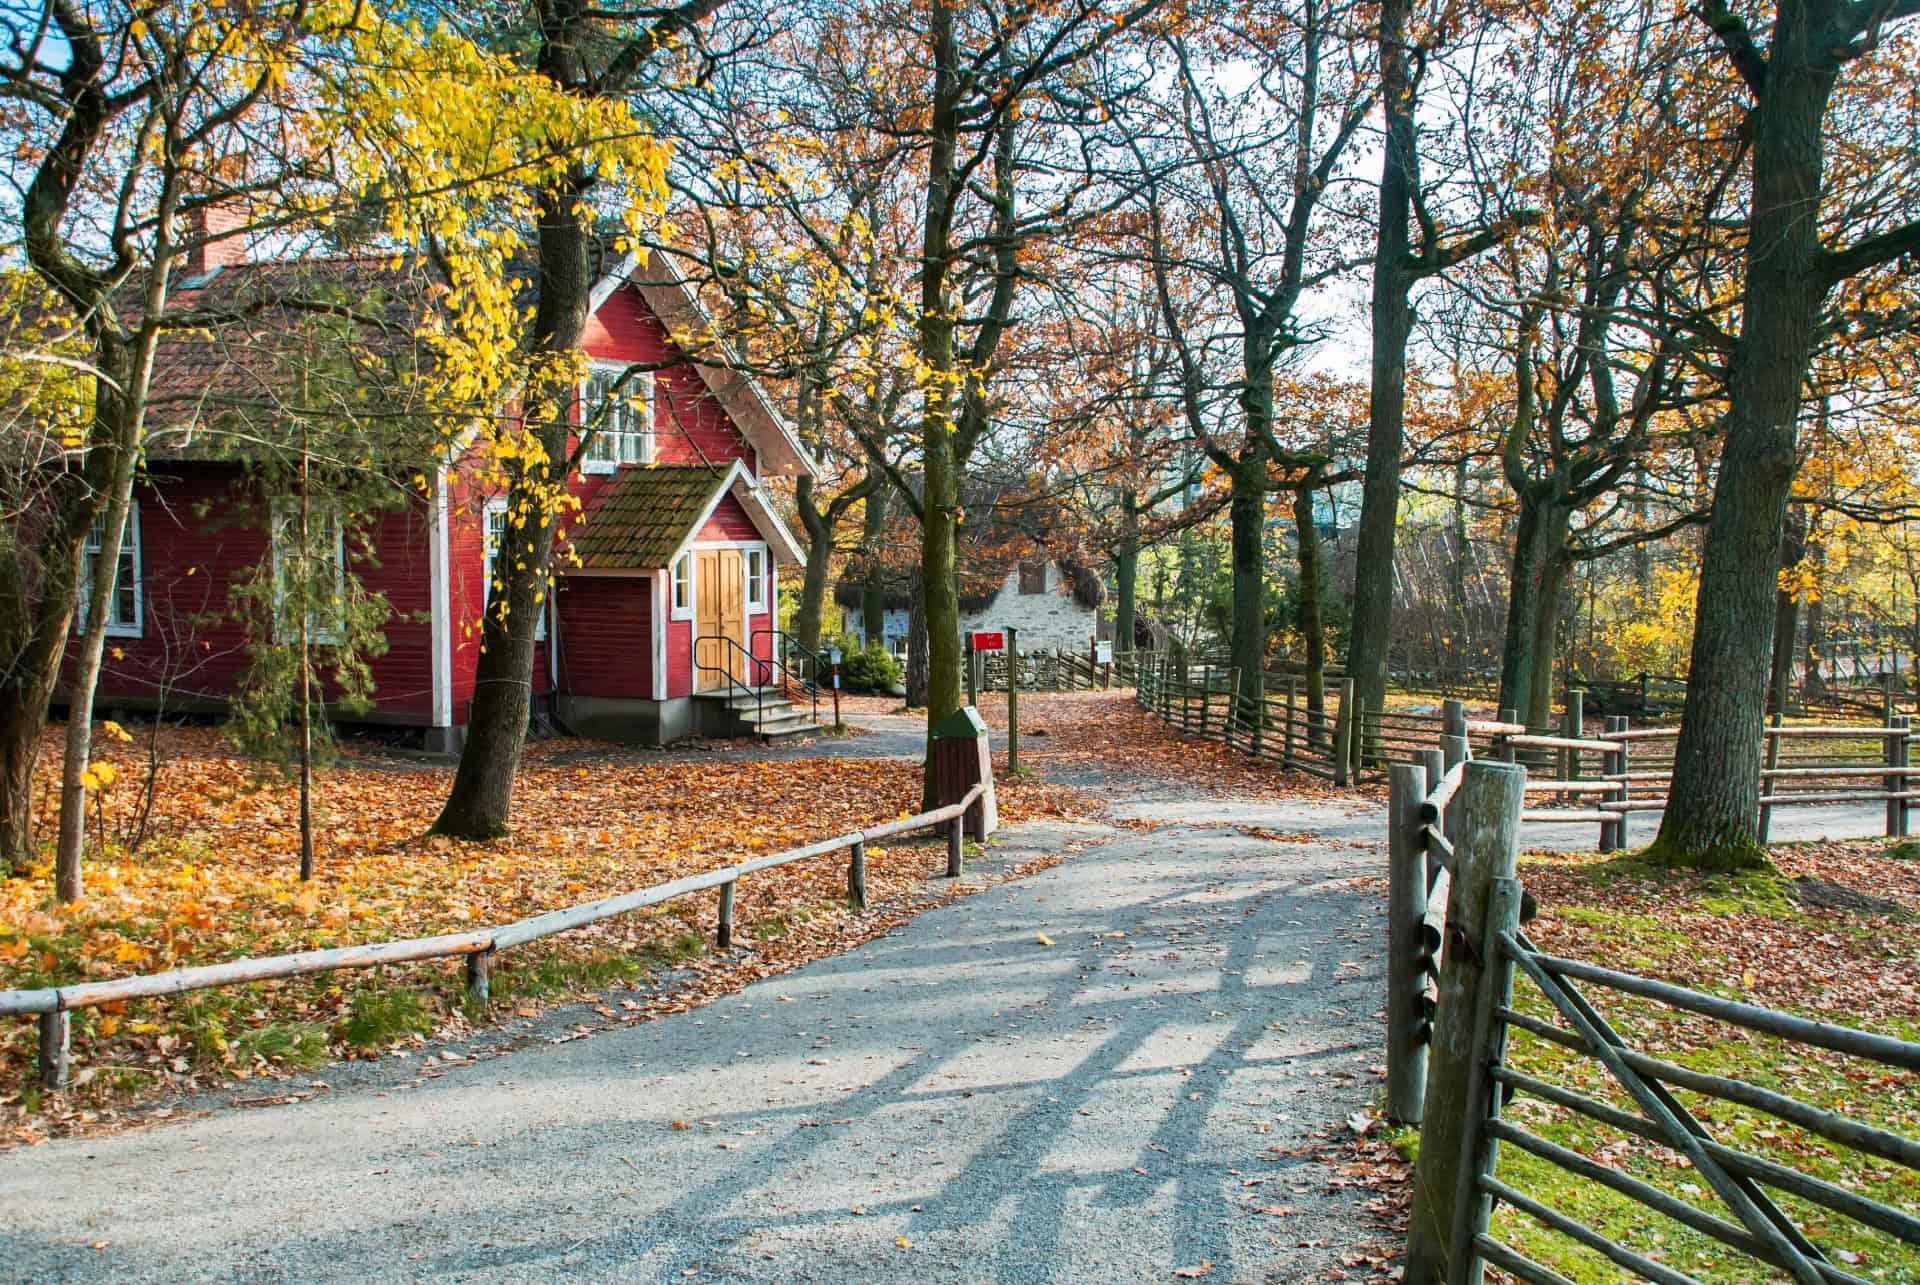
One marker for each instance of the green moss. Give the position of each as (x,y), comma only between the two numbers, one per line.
(1905,850)
(1745,855)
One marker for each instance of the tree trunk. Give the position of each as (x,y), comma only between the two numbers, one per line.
(1309,615)
(480,802)
(819,524)
(916,675)
(1816,680)
(1539,545)
(1126,576)
(873,592)
(1247,638)
(1392,313)
(1786,616)
(34,632)
(1712,808)
(1549,610)
(122,413)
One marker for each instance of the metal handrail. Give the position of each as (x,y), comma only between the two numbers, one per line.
(780,643)
(757,692)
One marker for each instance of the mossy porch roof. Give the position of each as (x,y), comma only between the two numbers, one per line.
(645,514)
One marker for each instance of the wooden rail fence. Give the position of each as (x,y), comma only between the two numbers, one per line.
(1274,722)
(974,812)
(1468,1081)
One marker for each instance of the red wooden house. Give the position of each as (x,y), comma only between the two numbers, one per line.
(681,541)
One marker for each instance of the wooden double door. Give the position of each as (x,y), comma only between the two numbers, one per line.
(720,611)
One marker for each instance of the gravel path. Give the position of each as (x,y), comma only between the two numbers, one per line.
(959,1101)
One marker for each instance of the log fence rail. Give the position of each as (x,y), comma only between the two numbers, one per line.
(973,813)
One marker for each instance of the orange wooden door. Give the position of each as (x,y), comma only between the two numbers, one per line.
(733,608)
(710,658)
(720,593)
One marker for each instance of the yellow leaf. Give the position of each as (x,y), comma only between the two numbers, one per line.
(1043,939)
(903,1241)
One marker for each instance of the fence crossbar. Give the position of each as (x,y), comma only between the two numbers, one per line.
(1508,1259)
(446,945)
(1574,1229)
(1651,1196)
(1818,1191)
(1734,1193)
(1826,1035)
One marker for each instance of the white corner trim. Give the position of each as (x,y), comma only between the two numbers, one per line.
(660,634)
(440,603)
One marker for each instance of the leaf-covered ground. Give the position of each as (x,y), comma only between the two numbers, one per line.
(1833,935)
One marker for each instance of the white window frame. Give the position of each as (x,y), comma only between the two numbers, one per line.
(617,441)
(285,515)
(129,556)
(497,508)
(761,581)
(680,575)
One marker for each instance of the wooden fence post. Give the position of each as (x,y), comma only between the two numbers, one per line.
(1013,700)
(1454,751)
(56,1040)
(1767,781)
(1293,702)
(955,829)
(1406,947)
(1453,718)
(725,934)
(857,876)
(1573,727)
(1474,1212)
(480,977)
(1624,826)
(1905,723)
(1895,747)
(973,673)
(1343,735)
(1489,803)
(1505,753)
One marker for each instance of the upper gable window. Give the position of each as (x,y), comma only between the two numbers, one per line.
(1033,577)
(618,409)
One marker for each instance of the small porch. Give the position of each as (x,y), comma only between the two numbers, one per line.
(667,607)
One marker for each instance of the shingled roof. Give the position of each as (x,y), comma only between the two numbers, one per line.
(645,514)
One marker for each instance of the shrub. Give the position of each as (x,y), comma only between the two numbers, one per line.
(869,670)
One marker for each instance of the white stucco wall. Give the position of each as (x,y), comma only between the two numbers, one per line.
(1049,621)
(893,625)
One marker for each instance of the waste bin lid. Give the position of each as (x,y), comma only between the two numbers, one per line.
(963,723)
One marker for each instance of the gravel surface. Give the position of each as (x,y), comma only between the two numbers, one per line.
(959,1101)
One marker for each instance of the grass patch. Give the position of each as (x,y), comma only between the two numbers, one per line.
(1875,1095)
(297,1046)
(1905,850)
(377,1018)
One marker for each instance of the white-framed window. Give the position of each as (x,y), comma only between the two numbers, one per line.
(621,421)
(682,587)
(496,532)
(124,605)
(321,567)
(756,579)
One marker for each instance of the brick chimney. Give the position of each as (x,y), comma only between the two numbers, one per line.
(216,238)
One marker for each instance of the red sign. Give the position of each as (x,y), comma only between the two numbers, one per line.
(989,640)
